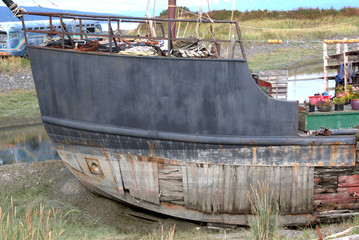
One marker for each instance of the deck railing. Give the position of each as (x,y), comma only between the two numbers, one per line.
(114,36)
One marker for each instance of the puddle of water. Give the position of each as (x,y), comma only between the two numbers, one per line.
(28,144)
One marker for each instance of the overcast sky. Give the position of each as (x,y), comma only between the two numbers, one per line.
(138,7)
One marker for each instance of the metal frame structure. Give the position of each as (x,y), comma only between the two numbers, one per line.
(112,37)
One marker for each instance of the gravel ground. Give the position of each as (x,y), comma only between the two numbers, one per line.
(16,80)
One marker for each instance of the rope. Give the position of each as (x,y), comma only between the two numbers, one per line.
(185,30)
(230,27)
(179,24)
(16,10)
(199,20)
(52,3)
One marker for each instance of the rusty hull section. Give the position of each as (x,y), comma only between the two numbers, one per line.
(201,182)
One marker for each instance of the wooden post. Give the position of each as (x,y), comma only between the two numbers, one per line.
(346,63)
(232,47)
(338,59)
(172,15)
(325,59)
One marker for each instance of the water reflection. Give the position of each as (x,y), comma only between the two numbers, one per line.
(26,145)
(299,88)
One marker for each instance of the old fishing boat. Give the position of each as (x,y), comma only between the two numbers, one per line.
(186,137)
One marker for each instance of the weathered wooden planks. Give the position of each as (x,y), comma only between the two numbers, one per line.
(140,177)
(81,158)
(170,184)
(224,188)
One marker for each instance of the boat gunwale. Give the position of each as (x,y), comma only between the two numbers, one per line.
(134,56)
(202,139)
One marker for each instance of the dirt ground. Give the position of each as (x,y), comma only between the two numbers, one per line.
(57,183)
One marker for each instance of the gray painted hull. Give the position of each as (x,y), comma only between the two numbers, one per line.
(190,142)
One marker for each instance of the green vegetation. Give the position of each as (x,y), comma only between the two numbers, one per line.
(13,64)
(301,13)
(308,24)
(264,222)
(35,223)
(29,211)
(19,107)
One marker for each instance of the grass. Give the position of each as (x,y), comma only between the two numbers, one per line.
(163,235)
(264,222)
(19,107)
(36,223)
(29,211)
(13,64)
(19,220)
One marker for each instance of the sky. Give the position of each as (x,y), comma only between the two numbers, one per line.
(138,7)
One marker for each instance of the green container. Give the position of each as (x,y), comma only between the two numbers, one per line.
(332,120)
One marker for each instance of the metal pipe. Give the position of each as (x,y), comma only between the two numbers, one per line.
(169,45)
(110,34)
(206,139)
(104,18)
(240,40)
(25,34)
(63,33)
(172,6)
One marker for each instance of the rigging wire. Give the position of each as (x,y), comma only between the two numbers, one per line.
(230,28)
(57,6)
(179,24)
(52,3)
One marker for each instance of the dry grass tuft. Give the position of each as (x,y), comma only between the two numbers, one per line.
(35,224)
(264,223)
(14,64)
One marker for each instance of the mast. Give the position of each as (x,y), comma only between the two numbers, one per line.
(172,15)
(14,8)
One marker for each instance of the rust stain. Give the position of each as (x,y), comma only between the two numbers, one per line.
(320,164)
(75,157)
(63,153)
(106,156)
(173,162)
(335,143)
(254,156)
(133,175)
(171,206)
(94,166)
(334,155)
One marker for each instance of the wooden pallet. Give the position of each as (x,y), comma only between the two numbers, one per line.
(279,81)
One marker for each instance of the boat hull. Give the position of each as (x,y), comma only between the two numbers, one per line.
(180,179)
(190,142)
